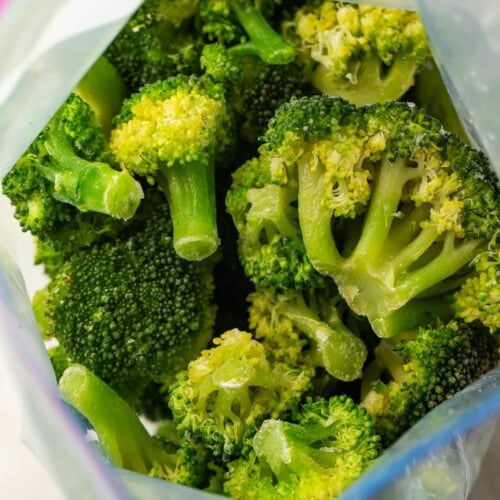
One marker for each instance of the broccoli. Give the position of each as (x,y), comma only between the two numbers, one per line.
(59,360)
(226,393)
(242,26)
(478,300)
(262,203)
(65,189)
(418,370)
(176,131)
(324,448)
(160,41)
(131,310)
(306,328)
(122,436)
(256,89)
(389,205)
(362,53)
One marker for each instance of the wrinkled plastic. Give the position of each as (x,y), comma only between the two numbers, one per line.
(438,458)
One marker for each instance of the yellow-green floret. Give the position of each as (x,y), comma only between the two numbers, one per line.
(326,445)
(226,393)
(478,300)
(131,310)
(305,329)
(415,373)
(176,131)
(389,205)
(362,53)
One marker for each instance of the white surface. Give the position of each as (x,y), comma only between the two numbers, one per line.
(22,477)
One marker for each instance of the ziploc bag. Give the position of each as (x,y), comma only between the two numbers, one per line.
(437,458)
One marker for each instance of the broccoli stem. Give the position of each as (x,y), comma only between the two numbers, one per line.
(371,84)
(414,314)
(264,41)
(121,434)
(190,189)
(342,353)
(89,186)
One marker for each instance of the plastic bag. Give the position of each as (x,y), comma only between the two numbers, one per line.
(438,458)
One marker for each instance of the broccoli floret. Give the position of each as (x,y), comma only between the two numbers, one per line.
(416,372)
(226,393)
(306,329)
(242,26)
(324,448)
(256,89)
(176,131)
(478,300)
(122,436)
(262,203)
(59,360)
(160,41)
(67,176)
(131,310)
(431,94)
(362,53)
(412,204)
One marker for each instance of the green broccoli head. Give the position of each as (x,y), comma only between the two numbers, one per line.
(226,393)
(305,329)
(262,202)
(324,448)
(362,53)
(122,436)
(478,300)
(389,205)
(131,310)
(177,130)
(420,370)
(243,26)
(64,189)
(161,40)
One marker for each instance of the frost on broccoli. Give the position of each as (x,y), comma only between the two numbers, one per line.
(226,393)
(326,445)
(414,373)
(131,310)
(306,330)
(362,53)
(389,205)
(176,131)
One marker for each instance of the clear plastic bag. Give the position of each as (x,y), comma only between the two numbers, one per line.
(437,458)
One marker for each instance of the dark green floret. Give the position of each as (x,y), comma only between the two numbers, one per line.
(131,310)
(414,373)
(160,41)
(326,445)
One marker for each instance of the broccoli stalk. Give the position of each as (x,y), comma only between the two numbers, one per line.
(175,131)
(91,186)
(263,41)
(121,434)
